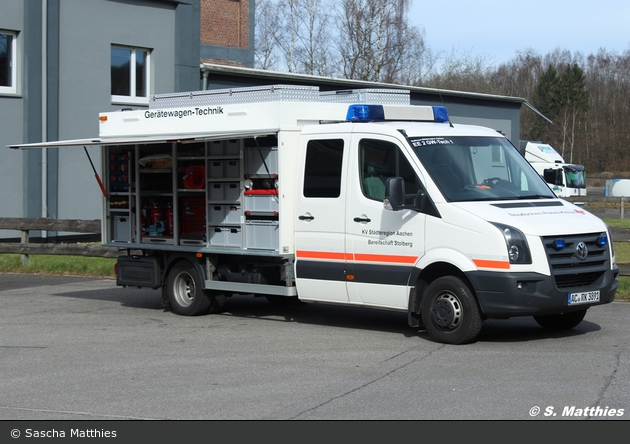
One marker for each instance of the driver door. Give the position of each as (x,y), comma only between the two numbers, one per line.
(383,246)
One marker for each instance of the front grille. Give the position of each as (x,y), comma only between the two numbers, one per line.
(571,272)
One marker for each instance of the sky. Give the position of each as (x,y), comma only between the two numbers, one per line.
(498,29)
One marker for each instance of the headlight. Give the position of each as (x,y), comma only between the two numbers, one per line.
(518,250)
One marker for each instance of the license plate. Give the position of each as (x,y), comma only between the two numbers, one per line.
(587,297)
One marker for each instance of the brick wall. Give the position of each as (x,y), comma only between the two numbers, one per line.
(225,23)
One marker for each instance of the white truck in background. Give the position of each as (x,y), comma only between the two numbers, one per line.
(564,179)
(354,198)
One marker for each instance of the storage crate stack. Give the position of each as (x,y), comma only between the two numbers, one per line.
(261,206)
(224,193)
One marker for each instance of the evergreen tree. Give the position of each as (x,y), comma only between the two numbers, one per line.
(574,103)
(546,100)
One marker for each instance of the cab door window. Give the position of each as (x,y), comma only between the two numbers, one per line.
(379,160)
(323,167)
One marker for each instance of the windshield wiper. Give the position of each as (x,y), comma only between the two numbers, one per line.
(535,196)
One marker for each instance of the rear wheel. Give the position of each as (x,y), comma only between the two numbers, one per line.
(449,311)
(185,295)
(561,321)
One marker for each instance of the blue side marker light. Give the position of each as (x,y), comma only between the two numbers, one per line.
(559,244)
(602,240)
(440,114)
(365,113)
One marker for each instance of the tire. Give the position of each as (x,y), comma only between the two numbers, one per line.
(183,288)
(561,321)
(449,311)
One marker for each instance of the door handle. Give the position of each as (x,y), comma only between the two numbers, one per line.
(362,219)
(306,217)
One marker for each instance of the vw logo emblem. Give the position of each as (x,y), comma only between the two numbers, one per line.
(581,251)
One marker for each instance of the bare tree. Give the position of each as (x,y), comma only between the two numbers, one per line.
(297,35)
(462,72)
(265,52)
(314,55)
(357,39)
(288,25)
(375,41)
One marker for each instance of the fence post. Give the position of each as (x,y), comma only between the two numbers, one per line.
(623,201)
(25,237)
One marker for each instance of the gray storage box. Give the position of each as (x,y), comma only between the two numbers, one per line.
(367,95)
(249,94)
(121,229)
(262,234)
(225,148)
(254,164)
(225,191)
(193,239)
(226,237)
(224,214)
(262,203)
(225,169)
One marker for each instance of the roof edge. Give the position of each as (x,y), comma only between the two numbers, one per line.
(278,75)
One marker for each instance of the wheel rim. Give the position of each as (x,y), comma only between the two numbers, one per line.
(184,289)
(447,312)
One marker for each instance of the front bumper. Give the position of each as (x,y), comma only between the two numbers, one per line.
(504,295)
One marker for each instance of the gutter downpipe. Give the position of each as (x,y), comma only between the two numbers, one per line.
(206,73)
(44,113)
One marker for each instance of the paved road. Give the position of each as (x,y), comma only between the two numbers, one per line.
(75,348)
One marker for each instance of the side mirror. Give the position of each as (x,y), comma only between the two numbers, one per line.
(394,194)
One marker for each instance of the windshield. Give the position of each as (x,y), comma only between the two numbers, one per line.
(576,178)
(479,168)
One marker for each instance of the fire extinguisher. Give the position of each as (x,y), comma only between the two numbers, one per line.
(169,218)
(156,214)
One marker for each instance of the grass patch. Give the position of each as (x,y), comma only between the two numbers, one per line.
(622,255)
(617,223)
(60,265)
(623,291)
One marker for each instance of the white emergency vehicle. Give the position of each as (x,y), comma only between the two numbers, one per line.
(564,179)
(352,197)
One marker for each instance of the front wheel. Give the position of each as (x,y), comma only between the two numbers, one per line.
(449,311)
(183,288)
(561,321)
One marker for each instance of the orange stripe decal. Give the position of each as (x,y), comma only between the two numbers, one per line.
(363,257)
(321,255)
(482,263)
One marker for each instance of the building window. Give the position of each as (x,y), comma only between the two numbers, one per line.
(130,75)
(497,156)
(8,65)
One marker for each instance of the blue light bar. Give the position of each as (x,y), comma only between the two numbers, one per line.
(440,114)
(365,113)
(370,113)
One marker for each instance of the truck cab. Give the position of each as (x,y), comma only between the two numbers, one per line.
(445,221)
(565,179)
